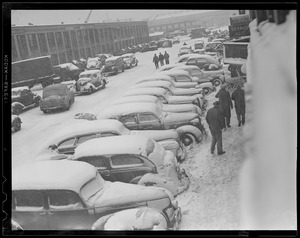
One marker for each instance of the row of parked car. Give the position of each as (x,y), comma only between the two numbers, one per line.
(119,169)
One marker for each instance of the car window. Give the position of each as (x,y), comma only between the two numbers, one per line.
(147,118)
(62,200)
(92,187)
(84,138)
(125,160)
(109,133)
(183,60)
(202,60)
(28,200)
(182,78)
(129,119)
(100,162)
(67,142)
(191,61)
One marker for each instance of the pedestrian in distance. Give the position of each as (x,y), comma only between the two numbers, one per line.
(166,56)
(161,59)
(215,122)
(238,96)
(156,60)
(225,105)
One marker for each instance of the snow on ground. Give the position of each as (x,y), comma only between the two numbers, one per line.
(212,200)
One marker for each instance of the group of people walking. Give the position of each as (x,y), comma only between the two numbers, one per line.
(218,117)
(161,58)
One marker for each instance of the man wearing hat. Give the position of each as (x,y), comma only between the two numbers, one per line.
(215,119)
(238,96)
(225,104)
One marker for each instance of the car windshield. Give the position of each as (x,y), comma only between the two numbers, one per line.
(92,187)
(59,91)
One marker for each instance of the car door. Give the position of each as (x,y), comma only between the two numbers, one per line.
(67,211)
(130,121)
(128,167)
(148,121)
(29,209)
(191,62)
(67,146)
(201,62)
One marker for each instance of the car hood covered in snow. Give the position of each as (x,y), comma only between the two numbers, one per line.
(187,91)
(181,108)
(179,117)
(181,99)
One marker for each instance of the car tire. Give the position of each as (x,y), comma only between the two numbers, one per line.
(17,110)
(188,139)
(130,66)
(68,106)
(217,82)
(207,91)
(17,125)
(90,90)
(44,111)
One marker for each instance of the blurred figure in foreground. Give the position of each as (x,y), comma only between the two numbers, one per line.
(214,119)
(238,96)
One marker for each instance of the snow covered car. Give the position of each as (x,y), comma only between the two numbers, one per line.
(133,159)
(90,81)
(184,58)
(169,66)
(149,116)
(130,60)
(67,71)
(166,96)
(23,98)
(201,60)
(68,138)
(215,77)
(176,40)
(15,123)
(182,108)
(50,195)
(199,44)
(56,96)
(113,66)
(185,50)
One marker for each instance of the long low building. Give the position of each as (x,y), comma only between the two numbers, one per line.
(66,42)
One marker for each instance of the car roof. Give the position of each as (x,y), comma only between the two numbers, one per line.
(138,98)
(128,54)
(113,58)
(169,66)
(157,76)
(19,88)
(185,67)
(185,55)
(203,56)
(157,83)
(90,71)
(175,71)
(132,144)
(128,108)
(54,86)
(145,91)
(62,174)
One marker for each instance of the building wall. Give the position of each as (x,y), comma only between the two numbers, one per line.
(209,19)
(74,41)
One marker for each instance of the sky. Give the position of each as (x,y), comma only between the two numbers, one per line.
(49,17)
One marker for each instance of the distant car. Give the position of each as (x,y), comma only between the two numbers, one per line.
(176,40)
(23,98)
(15,123)
(169,66)
(72,195)
(199,44)
(67,71)
(149,116)
(167,43)
(160,42)
(183,58)
(133,159)
(68,138)
(90,81)
(147,47)
(113,66)
(201,60)
(214,47)
(130,60)
(185,50)
(56,96)
(200,51)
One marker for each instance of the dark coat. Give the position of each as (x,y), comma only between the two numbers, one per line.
(155,59)
(238,96)
(166,56)
(225,102)
(215,119)
(161,57)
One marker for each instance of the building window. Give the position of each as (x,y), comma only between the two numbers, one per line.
(43,43)
(88,52)
(13,50)
(97,35)
(82,53)
(59,40)
(51,41)
(22,47)
(76,54)
(86,37)
(67,40)
(74,39)
(91,34)
(62,58)
(33,45)
(69,56)
(80,37)
(54,59)
(101,35)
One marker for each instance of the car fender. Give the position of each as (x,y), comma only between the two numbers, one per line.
(18,104)
(189,129)
(99,224)
(88,85)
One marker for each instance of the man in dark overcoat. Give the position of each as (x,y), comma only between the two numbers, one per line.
(238,96)
(161,59)
(225,104)
(156,60)
(215,119)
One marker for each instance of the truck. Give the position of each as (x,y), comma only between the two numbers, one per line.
(33,71)
(198,32)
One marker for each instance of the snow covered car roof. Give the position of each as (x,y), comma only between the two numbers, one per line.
(127,55)
(154,77)
(93,71)
(185,56)
(19,89)
(175,72)
(156,83)
(132,144)
(138,98)
(169,66)
(144,91)
(205,57)
(124,109)
(41,175)
(113,58)
(186,67)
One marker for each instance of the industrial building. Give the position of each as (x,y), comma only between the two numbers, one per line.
(66,42)
(190,19)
